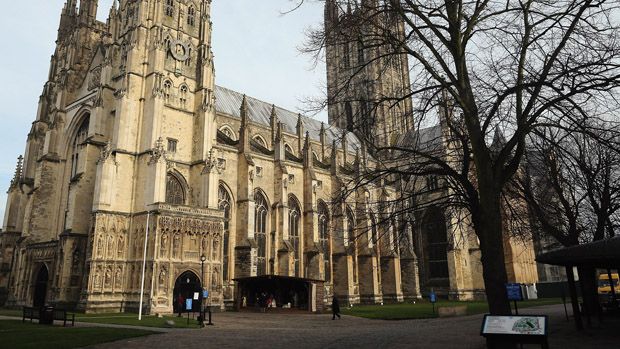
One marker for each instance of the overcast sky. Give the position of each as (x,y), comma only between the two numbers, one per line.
(256,52)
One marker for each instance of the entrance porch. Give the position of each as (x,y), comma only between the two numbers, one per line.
(279,292)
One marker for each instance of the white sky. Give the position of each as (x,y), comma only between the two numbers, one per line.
(256,52)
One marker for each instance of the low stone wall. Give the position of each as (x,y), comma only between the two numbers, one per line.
(459,310)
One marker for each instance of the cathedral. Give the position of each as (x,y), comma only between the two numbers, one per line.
(142,178)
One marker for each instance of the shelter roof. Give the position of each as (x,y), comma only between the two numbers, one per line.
(598,254)
(275,277)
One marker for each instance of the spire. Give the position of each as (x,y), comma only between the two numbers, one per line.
(244,132)
(67,20)
(308,159)
(70,7)
(243,111)
(273,122)
(18,171)
(88,11)
(331,13)
(334,158)
(300,132)
(323,140)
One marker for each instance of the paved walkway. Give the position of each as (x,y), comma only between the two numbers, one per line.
(296,331)
(300,331)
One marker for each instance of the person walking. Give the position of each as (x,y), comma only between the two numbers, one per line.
(335,308)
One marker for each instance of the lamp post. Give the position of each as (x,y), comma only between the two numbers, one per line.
(203,258)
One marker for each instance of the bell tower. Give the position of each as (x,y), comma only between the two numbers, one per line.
(366,81)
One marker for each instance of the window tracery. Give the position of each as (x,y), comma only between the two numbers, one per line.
(260,226)
(175,194)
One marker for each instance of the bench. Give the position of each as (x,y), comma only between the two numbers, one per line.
(62,315)
(47,315)
(30,313)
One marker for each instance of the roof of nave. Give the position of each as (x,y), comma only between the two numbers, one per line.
(229,102)
(426,139)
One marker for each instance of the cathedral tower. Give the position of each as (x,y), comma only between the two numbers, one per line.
(364,77)
(125,126)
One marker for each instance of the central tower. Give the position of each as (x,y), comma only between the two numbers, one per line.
(368,84)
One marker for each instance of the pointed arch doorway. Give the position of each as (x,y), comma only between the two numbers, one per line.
(40,287)
(186,285)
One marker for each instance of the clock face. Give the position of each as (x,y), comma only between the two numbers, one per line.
(179,50)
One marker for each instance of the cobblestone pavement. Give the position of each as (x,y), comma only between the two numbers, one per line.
(297,331)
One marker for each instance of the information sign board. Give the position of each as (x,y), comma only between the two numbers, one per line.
(432,297)
(514,292)
(529,325)
(188,304)
(196,295)
(205,294)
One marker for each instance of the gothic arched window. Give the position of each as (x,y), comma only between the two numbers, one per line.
(260,230)
(434,224)
(175,194)
(228,132)
(323,215)
(183,98)
(360,52)
(224,203)
(260,140)
(374,236)
(351,237)
(349,114)
(76,146)
(191,16)
(169,9)
(167,88)
(349,234)
(294,217)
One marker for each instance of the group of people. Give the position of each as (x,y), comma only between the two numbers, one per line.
(266,301)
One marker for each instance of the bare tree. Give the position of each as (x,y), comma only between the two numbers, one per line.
(573,183)
(512,66)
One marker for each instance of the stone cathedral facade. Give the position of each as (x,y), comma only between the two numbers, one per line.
(136,156)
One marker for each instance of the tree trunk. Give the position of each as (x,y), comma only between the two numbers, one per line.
(489,226)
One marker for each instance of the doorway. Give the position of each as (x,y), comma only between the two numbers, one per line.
(40,287)
(186,287)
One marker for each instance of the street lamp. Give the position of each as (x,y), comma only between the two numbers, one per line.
(203,258)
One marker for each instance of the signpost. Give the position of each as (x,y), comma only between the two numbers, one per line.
(433,298)
(189,305)
(525,329)
(515,294)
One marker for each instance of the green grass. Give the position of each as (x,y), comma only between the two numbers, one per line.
(424,309)
(123,319)
(11,312)
(17,335)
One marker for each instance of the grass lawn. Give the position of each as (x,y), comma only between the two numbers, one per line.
(17,335)
(424,309)
(123,319)
(11,312)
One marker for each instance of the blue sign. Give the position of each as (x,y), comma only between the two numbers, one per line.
(188,304)
(205,294)
(432,297)
(514,292)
